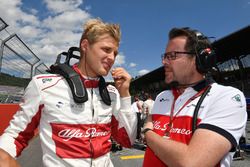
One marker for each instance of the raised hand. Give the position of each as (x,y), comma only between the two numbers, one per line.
(122,81)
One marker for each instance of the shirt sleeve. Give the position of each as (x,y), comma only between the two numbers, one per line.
(124,122)
(226,113)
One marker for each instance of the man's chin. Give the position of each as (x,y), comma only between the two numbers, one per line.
(168,80)
(172,83)
(104,73)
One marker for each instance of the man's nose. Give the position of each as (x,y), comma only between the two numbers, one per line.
(165,61)
(111,56)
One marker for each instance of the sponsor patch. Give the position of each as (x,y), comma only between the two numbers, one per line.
(237,98)
(44,80)
(59,104)
(163,99)
(78,140)
(111,88)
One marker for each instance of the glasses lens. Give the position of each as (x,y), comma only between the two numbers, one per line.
(172,55)
(165,56)
(169,56)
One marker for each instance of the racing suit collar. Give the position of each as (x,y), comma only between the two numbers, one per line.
(87,81)
(202,84)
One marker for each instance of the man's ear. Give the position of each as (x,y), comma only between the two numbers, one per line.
(84,45)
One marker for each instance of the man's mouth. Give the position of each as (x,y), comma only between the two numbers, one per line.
(107,66)
(167,70)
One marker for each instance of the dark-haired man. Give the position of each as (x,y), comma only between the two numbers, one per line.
(218,113)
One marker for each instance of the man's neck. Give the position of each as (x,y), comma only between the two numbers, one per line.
(181,87)
(79,69)
(83,70)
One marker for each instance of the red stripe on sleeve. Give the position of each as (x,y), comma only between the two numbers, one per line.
(120,135)
(21,141)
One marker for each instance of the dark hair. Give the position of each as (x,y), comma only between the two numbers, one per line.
(196,41)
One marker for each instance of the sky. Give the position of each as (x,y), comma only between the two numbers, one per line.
(49,27)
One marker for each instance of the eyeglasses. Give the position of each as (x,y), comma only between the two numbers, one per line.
(172,55)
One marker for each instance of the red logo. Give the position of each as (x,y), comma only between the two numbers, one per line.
(76,140)
(68,134)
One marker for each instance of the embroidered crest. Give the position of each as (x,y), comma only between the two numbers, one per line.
(237,98)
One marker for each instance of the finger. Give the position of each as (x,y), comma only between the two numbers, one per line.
(118,74)
(121,74)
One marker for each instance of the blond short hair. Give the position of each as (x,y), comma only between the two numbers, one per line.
(94,28)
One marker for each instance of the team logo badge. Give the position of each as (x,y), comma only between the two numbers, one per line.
(237,98)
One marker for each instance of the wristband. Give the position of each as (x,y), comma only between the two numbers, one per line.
(145,130)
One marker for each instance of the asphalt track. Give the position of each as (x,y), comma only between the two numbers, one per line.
(32,155)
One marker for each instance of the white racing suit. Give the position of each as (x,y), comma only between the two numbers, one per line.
(71,134)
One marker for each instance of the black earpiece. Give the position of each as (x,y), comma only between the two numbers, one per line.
(205,55)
